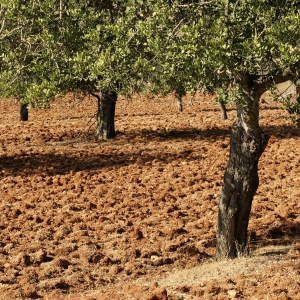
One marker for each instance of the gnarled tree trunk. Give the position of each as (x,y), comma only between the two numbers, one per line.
(106,115)
(247,143)
(24,112)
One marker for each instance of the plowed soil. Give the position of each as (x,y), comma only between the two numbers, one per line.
(135,217)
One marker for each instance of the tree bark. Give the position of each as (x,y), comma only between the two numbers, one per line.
(247,143)
(223,111)
(178,96)
(24,112)
(106,115)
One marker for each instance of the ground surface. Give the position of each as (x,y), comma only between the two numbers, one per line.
(135,217)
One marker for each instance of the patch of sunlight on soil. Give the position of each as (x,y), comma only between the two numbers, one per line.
(211,270)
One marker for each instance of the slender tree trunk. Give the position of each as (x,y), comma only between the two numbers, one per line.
(106,115)
(223,111)
(24,112)
(178,96)
(247,143)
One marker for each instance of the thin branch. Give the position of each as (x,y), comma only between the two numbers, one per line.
(2,25)
(170,37)
(28,49)
(173,34)
(282,94)
(263,82)
(60,9)
(90,126)
(9,33)
(192,98)
(134,34)
(108,6)
(18,72)
(234,8)
(95,95)
(195,4)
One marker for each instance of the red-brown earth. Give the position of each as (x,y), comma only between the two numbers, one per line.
(135,217)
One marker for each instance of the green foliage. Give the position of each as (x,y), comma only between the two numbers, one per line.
(229,94)
(52,47)
(294,110)
(288,103)
(212,45)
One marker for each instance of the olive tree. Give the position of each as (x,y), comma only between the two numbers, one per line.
(237,50)
(262,46)
(50,48)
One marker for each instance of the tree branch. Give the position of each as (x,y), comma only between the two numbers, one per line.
(263,82)
(9,33)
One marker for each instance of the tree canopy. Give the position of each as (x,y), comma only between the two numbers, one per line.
(50,47)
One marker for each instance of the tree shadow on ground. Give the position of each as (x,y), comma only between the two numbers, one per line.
(216,109)
(213,133)
(65,159)
(59,163)
(62,163)
(173,134)
(282,131)
(286,233)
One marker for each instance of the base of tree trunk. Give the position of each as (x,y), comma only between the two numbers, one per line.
(106,115)
(239,186)
(24,112)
